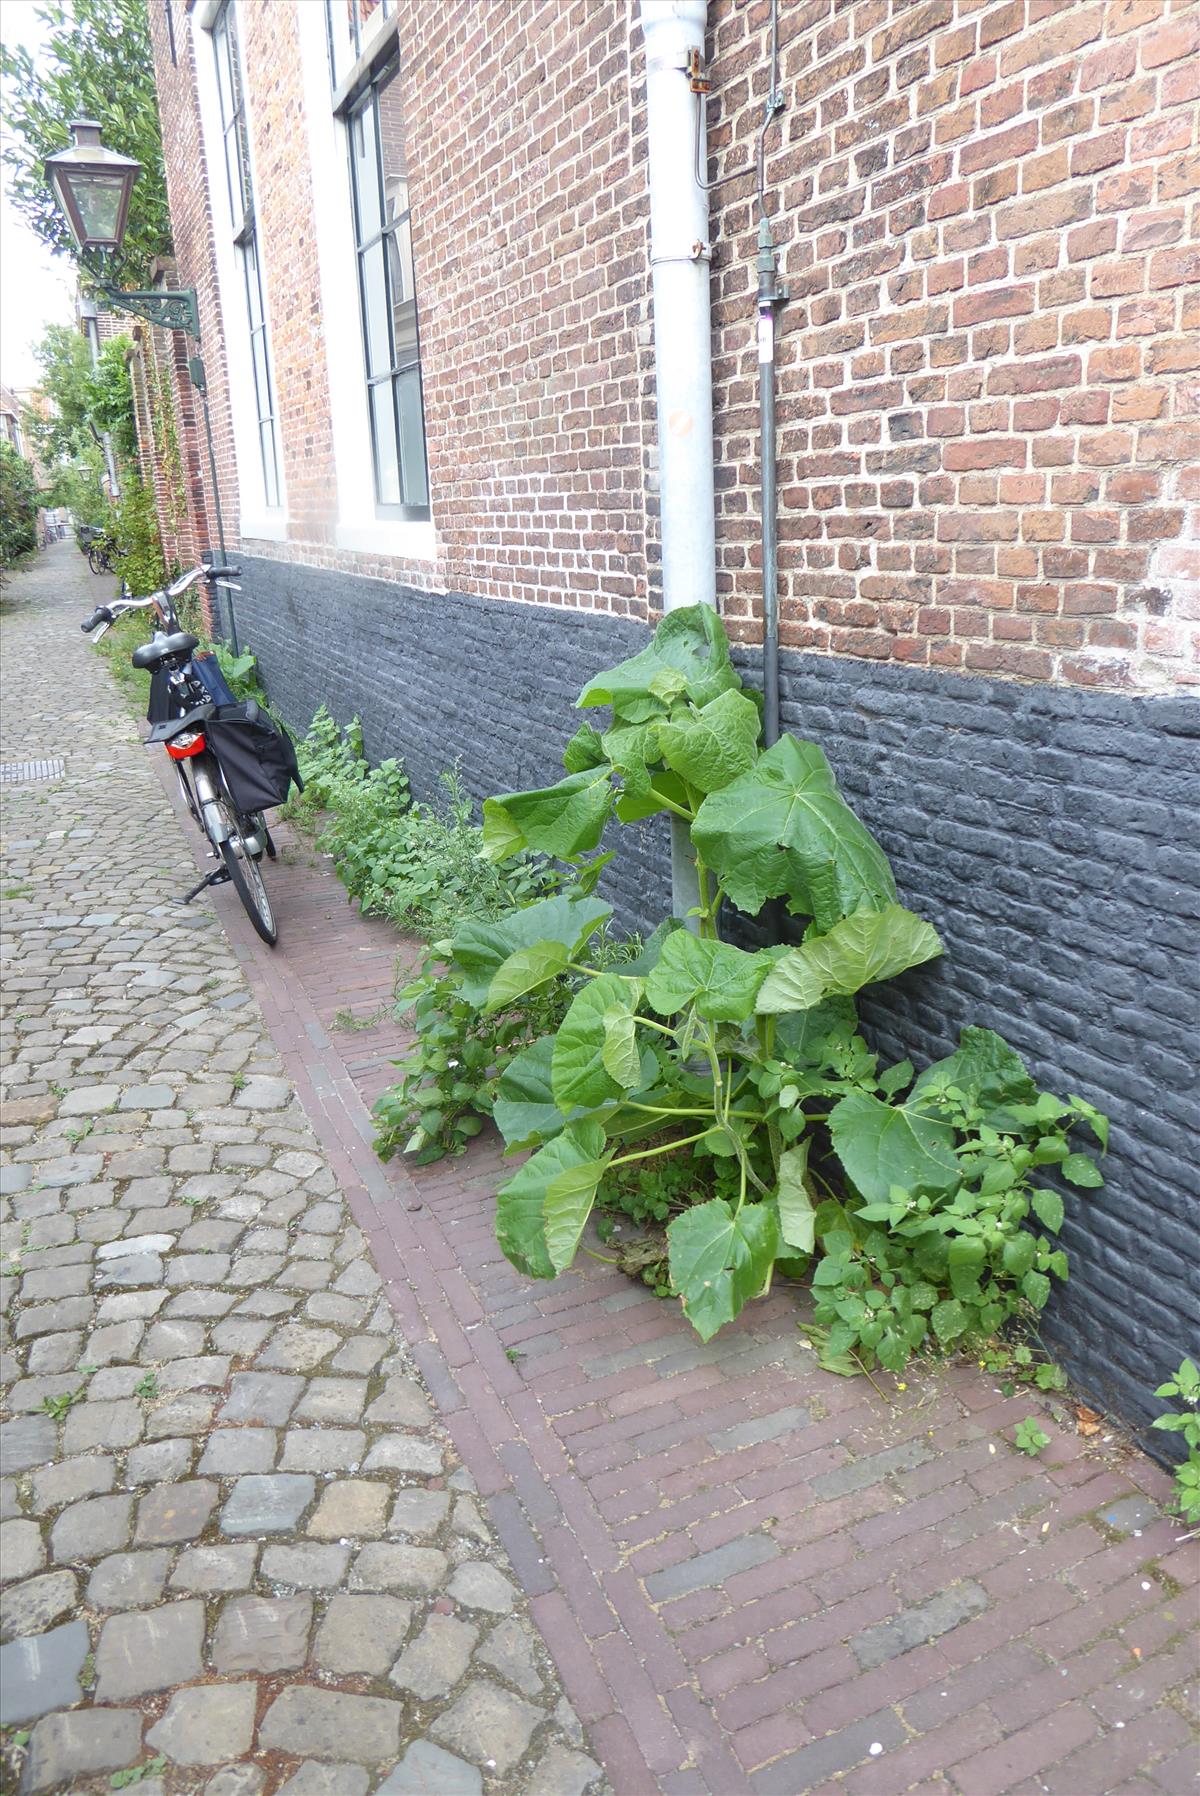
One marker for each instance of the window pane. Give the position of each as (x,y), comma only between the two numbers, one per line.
(412,438)
(221,45)
(262,382)
(375,310)
(365,169)
(391,137)
(403,295)
(266,434)
(387,449)
(253,283)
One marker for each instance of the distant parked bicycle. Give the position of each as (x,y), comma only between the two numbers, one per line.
(233,762)
(99,548)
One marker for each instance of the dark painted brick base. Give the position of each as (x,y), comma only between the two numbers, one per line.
(1051,836)
(437,678)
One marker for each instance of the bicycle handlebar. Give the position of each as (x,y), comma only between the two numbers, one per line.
(101,615)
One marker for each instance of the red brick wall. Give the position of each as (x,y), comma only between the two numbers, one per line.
(530,235)
(283,193)
(987,383)
(191,225)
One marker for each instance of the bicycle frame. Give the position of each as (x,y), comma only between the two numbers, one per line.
(237,841)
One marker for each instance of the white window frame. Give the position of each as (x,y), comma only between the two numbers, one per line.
(257,518)
(358,526)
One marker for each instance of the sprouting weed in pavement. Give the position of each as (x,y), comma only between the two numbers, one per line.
(1030,1437)
(134,1775)
(346,1019)
(238,1081)
(147,1386)
(56,1407)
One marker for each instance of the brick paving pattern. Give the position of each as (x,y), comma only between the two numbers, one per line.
(236,1538)
(751,1576)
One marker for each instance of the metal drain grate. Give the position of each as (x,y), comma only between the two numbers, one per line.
(24,773)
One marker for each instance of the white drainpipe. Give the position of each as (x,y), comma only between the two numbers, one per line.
(679,257)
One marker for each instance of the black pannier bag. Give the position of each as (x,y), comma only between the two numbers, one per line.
(256,757)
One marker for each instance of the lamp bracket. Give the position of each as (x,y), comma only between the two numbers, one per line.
(174,311)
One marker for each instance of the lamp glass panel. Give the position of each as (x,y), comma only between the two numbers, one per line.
(98,202)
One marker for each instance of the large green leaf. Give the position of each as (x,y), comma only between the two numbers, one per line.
(622,1060)
(985,1069)
(584,750)
(720,1259)
(715,745)
(480,949)
(784,830)
(881,1145)
(665,789)
(524,1110)
(804,1037)
(721,980)
(523,972)
(521,1203)
(797,1217)
(562,820)
(863,948)
(578,1073)
(633,749)
(569,1199)
(692,642)
(793,983)
(652,948)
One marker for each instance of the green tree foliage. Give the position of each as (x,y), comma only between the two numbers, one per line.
(18,506)
(97,64)
(85,402)
(140,552)
(111,397)
(78,485)
(66,430)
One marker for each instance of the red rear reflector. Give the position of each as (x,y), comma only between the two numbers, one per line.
(191,742)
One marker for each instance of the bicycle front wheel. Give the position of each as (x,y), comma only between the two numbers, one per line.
(246,877)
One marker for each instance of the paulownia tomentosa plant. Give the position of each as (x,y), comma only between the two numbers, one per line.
(910,1195)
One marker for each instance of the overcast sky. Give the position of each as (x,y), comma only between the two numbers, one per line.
(36,288)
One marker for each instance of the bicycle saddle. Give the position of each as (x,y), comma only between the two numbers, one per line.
(153,654)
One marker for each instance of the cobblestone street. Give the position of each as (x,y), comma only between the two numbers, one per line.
(306,1489)
(238,1548)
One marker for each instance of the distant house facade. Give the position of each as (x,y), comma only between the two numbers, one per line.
(419,236)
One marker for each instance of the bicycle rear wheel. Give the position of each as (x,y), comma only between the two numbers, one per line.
(246,877)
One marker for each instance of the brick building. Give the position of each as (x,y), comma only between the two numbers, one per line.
(419,235)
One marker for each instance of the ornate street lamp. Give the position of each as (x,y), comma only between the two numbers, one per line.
(92,185)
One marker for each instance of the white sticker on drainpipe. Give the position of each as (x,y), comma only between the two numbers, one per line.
(766,336)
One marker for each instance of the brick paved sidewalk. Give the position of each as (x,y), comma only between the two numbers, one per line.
(240,1554)
(751,1575)
(754,1575)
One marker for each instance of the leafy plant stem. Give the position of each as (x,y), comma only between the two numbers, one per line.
(667,1148)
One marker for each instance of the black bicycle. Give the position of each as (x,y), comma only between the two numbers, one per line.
(232,761)
(99,548)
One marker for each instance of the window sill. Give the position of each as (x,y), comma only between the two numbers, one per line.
(410,542)
(267,526)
